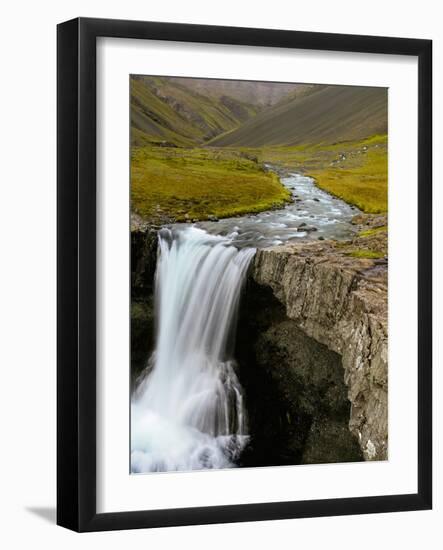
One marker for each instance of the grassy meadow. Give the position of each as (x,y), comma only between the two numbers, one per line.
(180,184)
(355,171)
(197,183)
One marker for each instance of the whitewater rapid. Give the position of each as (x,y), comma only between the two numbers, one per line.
(187,411)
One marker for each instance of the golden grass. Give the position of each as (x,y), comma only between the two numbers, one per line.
(180,184)
(355,171)
(364,184)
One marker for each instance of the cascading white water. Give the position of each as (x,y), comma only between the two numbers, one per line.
(187,411)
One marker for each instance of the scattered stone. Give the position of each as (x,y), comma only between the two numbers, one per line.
(321,238)
(315,199)
(212,218)
(378,221)
(358,219)
(166,144)
(303,224)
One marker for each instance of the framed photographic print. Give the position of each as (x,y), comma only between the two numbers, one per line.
(244,274)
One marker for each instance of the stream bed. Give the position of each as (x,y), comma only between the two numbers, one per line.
(313,214)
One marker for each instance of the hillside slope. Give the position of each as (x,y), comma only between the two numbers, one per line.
(260,94)
(331,114)
(163,110)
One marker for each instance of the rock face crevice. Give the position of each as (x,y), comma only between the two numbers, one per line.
(143,262)
(143,266)
(296,397)
(341,302)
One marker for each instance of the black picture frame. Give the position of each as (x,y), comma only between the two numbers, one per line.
(76,266)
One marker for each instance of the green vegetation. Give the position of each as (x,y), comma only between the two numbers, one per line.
(153,120)
(361,181)
(363,253)
(196,183)
(170,183)
(355,171)
(373,231)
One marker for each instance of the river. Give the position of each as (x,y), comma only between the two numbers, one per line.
(313,214)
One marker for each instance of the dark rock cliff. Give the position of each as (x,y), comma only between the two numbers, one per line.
(296,397)
(341,302)
(143,265)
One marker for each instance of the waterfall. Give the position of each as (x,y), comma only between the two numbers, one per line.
(187,411)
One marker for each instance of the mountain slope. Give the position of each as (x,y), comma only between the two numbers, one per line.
(328,115)
(163,110)
(260,94)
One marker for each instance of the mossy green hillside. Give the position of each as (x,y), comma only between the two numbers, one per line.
(164,111)
(180,184)
(361,180)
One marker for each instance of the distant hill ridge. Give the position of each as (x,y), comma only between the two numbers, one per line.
(166,111)
(325,115)
(194,112)
(259,94)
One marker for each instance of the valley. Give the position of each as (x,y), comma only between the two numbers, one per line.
(259,263)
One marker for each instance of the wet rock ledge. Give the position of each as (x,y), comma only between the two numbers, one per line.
(341,302)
